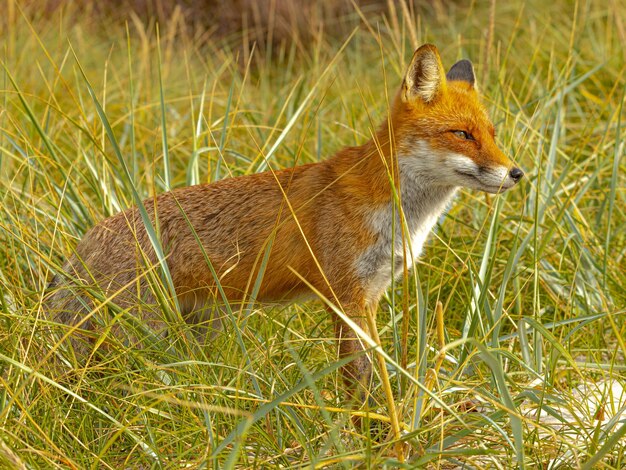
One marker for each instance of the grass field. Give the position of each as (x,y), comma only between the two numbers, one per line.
(527,366)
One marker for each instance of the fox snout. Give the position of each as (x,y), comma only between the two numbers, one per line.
(495,179)
(496,172)
(488,177)
(513,176)
(484,167)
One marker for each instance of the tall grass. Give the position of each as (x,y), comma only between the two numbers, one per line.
(525,366)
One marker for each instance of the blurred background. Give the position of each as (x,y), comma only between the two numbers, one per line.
(245,24)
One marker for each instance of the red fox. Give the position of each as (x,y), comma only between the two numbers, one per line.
(324,227)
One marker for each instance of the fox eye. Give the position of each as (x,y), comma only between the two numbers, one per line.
(463,135)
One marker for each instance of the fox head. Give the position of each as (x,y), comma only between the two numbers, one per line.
(442,131)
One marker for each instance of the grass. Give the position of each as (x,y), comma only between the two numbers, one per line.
(525,366)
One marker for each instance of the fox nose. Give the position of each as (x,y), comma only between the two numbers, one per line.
(516,174)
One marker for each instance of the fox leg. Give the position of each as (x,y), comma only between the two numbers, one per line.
(357,374)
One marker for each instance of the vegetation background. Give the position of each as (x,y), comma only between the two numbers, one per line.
(523,363)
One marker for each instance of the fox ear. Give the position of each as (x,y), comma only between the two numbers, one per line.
(425,78)
(463,71)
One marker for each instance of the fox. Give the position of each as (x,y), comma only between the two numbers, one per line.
(329,229)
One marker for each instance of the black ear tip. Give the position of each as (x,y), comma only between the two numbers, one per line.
(464,64)
(463,70)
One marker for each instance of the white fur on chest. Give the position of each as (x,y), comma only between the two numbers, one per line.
(422,205)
